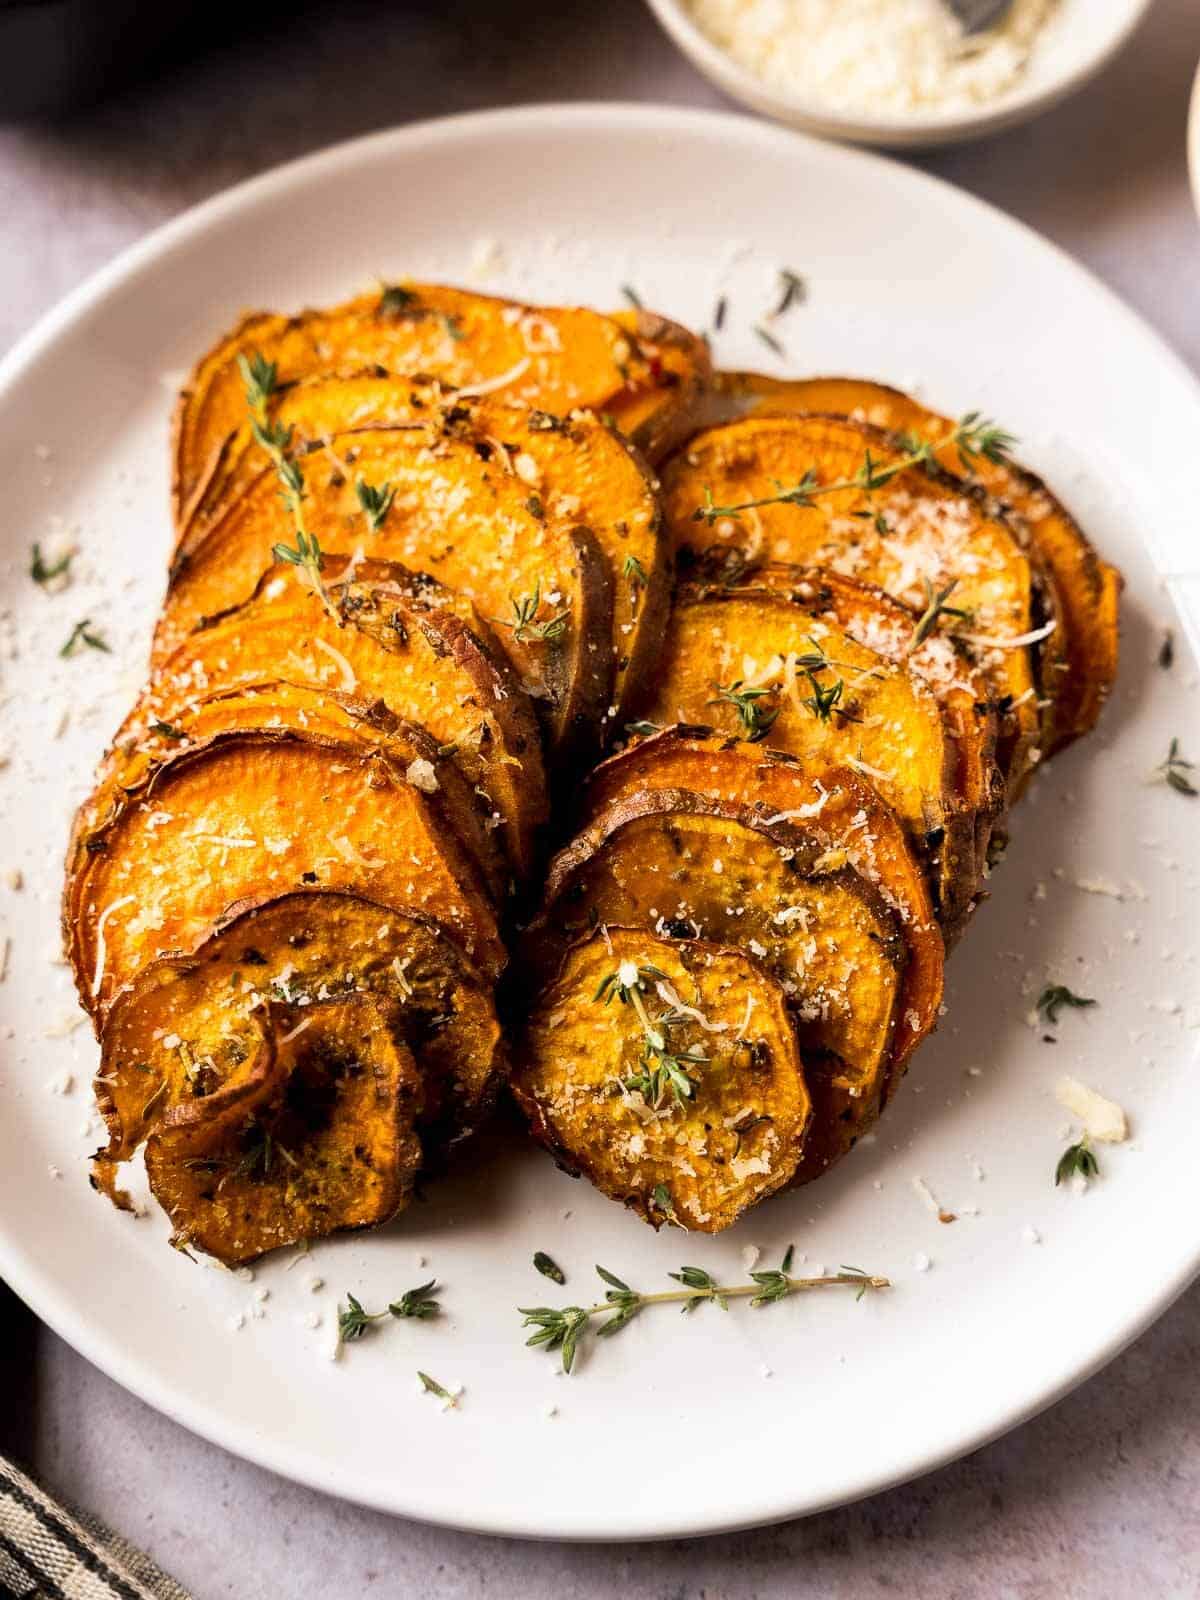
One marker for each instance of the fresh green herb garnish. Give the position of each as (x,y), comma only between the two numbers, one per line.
(394,299)
(634,571)
(793,290)
(524,622)
(1077,1158)
(84,633)
(548,1267)
(432,1386)
(631,294)
(375,502)
(44,572)
(719,310)
(419,1304)
(562,1328)
(769,339)
(259,377)
(167,730)
(1174,772)
(757,719)
(971,437)
(935,609)
(661,1068)
(1055,995)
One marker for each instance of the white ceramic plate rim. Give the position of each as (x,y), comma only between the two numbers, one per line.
(1153,1294)
(929,128)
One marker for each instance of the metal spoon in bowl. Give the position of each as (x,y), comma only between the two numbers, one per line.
(976,15)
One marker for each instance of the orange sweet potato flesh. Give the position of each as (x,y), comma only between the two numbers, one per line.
(659,408)
(249,814)
(559,358)
(575,468)
(838,807)
(931,532)
(191,1027)
(309,712)
(327,1143)
(733,1138)
(887,720)
(1081,658)
(689,865)
(403,647)
(455,515)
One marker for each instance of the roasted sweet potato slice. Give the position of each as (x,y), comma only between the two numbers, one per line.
(785,665)
(192,1027)
(403,646)
(454,512)
(325,1144)
(667,1072)
(838,807)
(657,410)
(537,355)
(687,865)
(249,814)
(573,468)
(914,536)
(1079,660)
(147,741)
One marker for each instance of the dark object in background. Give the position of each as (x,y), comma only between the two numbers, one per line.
(56,55)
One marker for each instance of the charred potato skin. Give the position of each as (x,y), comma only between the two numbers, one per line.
(311,946)
(763,1069)
(325,1144)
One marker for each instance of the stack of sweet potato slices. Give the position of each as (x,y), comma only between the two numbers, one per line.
(437,556)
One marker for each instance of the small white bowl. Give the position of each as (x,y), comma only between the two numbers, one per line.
(1080,38)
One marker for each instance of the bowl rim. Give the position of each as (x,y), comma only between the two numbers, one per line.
(1015,105)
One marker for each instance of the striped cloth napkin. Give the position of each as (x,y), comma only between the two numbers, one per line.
(50,1553)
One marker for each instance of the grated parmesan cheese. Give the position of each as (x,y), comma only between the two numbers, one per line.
(874,57)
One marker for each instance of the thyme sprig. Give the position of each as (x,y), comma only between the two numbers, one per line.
(563,1328)
(749,701)
(431,1386)
(973,436)
(935,609)
(260,379)
(1055,995)
(662,1069)
(1077,1159)
(524,622)
(84,633)
(1174,772)
(418,1304)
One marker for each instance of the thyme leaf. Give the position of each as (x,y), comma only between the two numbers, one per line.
(793,291)
(84,633)
(548,1267)
(1173,772)
(1055,995)
(1077,1158)
(524,622)
(376,502)
(44,572)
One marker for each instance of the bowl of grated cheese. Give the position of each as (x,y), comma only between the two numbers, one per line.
(897,72)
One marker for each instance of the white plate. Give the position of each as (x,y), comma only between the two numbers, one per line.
(1079,38)
(672,1428)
